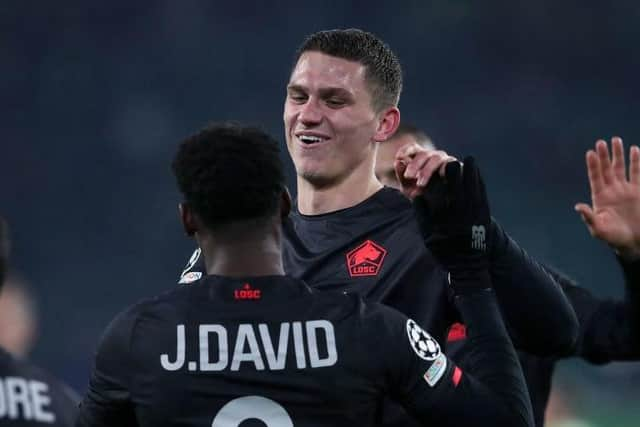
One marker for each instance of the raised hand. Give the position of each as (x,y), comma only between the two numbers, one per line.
(614,214)
(415,165)
(454,216)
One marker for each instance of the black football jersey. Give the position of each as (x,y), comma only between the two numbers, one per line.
(226,351)
(30,397)
(376,250)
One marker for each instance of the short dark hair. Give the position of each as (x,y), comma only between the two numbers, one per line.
(228,172)
(410,129)
(383,70)
(4,250)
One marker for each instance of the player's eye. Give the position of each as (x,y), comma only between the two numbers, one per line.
(297,97)
(335,102)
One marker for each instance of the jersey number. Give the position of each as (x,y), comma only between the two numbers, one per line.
(252,407)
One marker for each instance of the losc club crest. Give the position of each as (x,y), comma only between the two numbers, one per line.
(366,259)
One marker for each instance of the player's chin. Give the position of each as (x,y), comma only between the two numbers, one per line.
(316,176)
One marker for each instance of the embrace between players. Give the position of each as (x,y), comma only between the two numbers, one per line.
(336,310)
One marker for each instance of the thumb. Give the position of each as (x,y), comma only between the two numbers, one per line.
(586,213)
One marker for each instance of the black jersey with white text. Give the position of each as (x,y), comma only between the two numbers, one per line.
(376,250)
(30,397)
(228,350)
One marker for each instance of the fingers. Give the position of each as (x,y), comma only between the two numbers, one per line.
(415,162)
(407,152)
(402,159)
(436,162)
(596,181)
(587,215)
(618,163)
(605,163)
(634,165)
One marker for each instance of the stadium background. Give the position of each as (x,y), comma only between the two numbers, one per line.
(96,96)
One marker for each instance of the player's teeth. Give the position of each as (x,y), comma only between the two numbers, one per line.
(307,138)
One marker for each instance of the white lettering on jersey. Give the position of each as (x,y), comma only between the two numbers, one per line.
(301,362)
(223,354)
(234,413)
(246,336)
(312,340)
(275,361)
(25,399)
(164,358)
(320,338)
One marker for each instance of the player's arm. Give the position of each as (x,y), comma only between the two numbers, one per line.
(108,400)
(492,391)
(538,315)
(609,329)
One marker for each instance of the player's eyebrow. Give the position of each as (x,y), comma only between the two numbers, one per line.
(335,91)
(296,88)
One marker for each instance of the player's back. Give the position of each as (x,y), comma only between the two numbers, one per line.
(30,397)
(226,350)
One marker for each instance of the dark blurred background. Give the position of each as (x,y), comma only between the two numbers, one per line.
(96,96)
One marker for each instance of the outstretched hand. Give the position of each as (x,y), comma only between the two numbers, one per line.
(614,214)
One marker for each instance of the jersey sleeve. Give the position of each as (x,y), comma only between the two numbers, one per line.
(108,400)
(491,390)
(538,315)
(609,329)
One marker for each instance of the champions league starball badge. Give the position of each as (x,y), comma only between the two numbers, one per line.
(422,343)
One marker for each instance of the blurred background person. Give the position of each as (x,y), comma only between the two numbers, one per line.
(18,317)
(405,134)
(29,397)
(561,411)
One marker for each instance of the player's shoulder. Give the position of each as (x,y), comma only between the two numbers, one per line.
(376,313)
(369,314)
(125,321)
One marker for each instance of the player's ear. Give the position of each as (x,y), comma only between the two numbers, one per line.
(187,218)
(285,203)
(387,124)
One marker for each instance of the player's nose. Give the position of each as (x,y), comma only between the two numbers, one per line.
(310,113)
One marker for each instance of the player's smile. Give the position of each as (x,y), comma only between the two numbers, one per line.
(311,140)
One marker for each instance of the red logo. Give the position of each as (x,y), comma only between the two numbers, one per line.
(247,293)
(457,332)
(366,259)
(457,376)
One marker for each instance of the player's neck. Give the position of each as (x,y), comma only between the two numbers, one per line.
(354,189)
(242,256)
